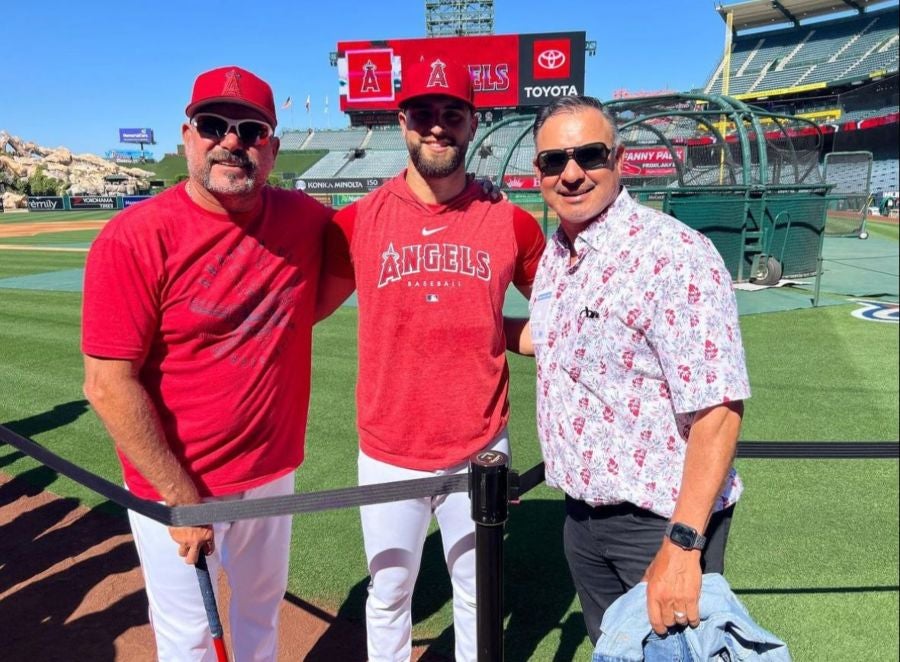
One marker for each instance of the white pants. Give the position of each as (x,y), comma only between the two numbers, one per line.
(253,553)
(394,535)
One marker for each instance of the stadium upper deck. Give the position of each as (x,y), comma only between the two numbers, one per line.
(811,57)
(754,14)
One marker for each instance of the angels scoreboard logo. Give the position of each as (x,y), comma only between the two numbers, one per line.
(369,74)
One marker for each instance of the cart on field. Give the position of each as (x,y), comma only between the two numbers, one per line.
(746,178)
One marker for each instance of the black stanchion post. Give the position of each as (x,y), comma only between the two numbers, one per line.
(489,491)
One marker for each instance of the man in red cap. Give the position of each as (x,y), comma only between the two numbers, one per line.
(431,256)
(197,319)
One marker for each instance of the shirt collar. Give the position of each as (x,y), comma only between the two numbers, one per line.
(595,232)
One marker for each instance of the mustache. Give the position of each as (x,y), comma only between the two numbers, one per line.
(447,141)
(236,158)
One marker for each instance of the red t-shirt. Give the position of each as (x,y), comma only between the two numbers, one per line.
(431,281)
(221,314)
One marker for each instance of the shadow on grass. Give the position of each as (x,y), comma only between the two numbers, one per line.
(539,589)
(538,593)
(345,638)
(57,417)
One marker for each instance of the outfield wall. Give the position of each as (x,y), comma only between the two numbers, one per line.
(39,203)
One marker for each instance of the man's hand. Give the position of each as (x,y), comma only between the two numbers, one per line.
(192,541)
(494,192)
(674,579)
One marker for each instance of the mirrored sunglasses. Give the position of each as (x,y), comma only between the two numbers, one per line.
(591,156)
(215,127)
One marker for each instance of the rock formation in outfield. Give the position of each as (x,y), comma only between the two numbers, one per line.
(83,174)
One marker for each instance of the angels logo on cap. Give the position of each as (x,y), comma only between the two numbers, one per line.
(232,87)
(440,75)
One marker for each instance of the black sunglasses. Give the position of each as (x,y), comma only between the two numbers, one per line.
(552,162)
(216,127)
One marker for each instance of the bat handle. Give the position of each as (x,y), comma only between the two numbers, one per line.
(212,611)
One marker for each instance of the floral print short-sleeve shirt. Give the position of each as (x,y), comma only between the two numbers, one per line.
(630,340)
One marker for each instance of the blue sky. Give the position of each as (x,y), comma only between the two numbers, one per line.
(77,72)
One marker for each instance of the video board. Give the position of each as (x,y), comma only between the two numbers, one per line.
(508,71)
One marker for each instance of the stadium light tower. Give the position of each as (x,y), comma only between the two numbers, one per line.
(445,18)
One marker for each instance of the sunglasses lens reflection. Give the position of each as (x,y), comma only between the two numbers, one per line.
(588,157)
(215,127)
(553,163)
(252,132)
(210,126)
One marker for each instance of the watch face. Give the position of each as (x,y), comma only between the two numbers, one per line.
(682,536)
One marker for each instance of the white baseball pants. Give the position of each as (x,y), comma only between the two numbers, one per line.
(394,535)
(253,553)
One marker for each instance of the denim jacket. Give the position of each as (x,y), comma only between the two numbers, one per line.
(726,631)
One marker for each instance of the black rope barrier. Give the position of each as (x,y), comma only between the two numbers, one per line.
(348,497)
(819,450)
(113,492)
(311,502)
(229,511)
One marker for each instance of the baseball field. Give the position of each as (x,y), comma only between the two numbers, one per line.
(813,551)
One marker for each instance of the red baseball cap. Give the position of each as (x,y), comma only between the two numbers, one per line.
(233,85)
(436,75)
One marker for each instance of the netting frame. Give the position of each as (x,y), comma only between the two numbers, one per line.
(761,168)
(747,178)
(858,200)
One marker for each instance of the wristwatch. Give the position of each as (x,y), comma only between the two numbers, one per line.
(685,536)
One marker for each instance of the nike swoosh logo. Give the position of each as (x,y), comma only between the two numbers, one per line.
(427,232)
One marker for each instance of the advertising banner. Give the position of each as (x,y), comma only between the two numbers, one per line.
(144,136)
(339,185)
(508,71)
(129,200)
(343,199)
(650,161)
(92,202)
(550,66)
(45,203)
(128,155)
(521,182)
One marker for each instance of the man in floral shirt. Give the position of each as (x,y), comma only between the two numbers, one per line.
(641,378)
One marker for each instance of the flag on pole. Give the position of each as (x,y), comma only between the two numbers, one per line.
(307,103)
(287,103)
(326,105)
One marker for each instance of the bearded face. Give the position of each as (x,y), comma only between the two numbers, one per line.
(437,131)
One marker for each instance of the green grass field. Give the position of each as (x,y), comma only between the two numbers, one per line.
(814,545)
(72,238)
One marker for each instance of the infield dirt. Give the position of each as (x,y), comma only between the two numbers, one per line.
(71,589)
